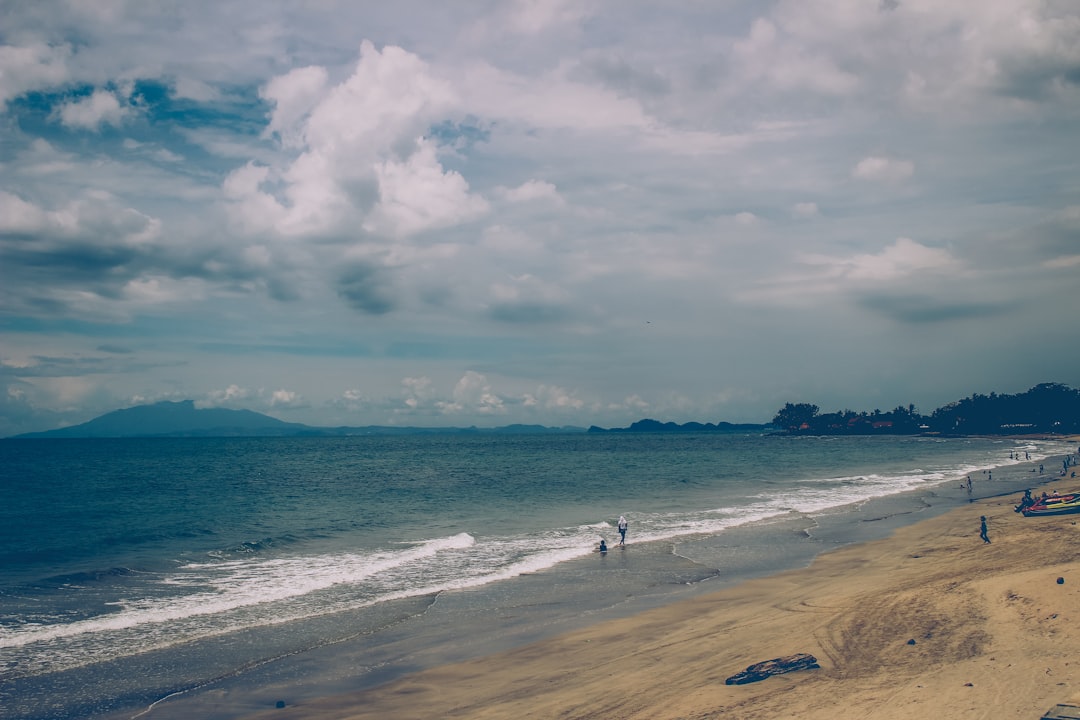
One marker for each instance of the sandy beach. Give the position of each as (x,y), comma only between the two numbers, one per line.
(931,622)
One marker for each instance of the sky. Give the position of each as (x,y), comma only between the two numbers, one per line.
(560,212)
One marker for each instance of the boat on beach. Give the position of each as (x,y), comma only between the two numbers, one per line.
(1053,505)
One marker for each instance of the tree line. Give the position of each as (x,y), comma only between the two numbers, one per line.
(1045,408)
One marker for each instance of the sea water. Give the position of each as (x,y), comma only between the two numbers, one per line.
(167,578)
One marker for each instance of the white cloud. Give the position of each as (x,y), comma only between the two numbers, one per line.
(294,95)
(805,210)
(95,216)
(904,258)
(239,397)
(31,67)
(418,195)
(527,19)
(746,218)
(160,290)
(473,393)
(534,16)
(230,396)
(90,113)
(360,162)
(1066,261)
(903,265)
(252,209)
(552,101)
(768,55)
(188,88)
(531,190)
(553,397)
(19,216)
(418,391)
(285,398)
(883,169)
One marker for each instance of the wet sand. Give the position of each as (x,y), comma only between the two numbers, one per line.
(930,622)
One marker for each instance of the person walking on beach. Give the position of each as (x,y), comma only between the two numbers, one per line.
(622,530)
(982,529)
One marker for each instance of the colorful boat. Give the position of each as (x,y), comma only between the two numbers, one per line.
(1053,505)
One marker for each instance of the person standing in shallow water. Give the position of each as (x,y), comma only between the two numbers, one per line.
(982,529)
(622,530)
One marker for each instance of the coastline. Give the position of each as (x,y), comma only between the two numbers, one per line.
(993,636)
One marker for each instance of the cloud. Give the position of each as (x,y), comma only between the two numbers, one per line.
(96,218)
(768,55)
(805,210)
(418,195)
(232,396)
(102,107)
(878,168)
(553,397)
(528,299)
(294,95)
(902,259)
(188,88)
(241,398)
(531,190)
(528,19)
(19,216)
(286,399)
(31,67)
(1068,261)
(553,100)
(366,287)
(474,394)
(534,16)
(362,155)
(418,390)
(904,265)
(927,310)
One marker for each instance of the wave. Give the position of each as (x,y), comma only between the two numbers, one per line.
(218,588)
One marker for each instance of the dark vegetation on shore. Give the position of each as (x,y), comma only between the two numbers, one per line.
(1045,408)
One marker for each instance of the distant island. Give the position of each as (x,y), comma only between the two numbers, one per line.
(655,426)
(1049,408)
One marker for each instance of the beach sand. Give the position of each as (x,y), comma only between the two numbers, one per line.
(929,623)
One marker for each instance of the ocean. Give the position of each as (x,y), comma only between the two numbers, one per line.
(213,578)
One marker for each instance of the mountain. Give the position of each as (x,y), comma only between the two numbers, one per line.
(183,419)
(176,419)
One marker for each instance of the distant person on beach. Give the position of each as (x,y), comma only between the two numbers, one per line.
(982,529)
(622,530)
(969,484)
(603,546)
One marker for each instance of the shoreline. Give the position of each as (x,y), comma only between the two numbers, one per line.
(457,626)
(993,634)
